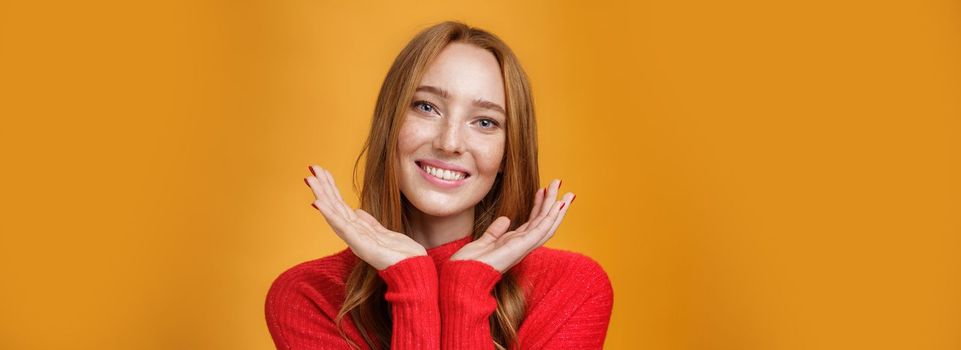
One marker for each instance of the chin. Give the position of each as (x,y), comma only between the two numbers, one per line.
(438,205)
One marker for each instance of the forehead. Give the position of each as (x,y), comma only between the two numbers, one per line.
(467,72)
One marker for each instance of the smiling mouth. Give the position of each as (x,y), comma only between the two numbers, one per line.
(441,173)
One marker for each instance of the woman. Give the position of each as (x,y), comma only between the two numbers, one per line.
(440,254)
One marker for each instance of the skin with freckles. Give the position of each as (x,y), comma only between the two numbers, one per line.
(456,117)
(445,124)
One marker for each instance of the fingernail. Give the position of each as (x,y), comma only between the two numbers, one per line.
(305,181)
(572,199)
(562,205)
(315,206)
(311,170)
(560,183)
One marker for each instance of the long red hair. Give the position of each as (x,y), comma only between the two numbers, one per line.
(511,194)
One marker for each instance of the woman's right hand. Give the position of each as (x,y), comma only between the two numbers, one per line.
(366,237)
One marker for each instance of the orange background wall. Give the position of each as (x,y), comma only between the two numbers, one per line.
(751,174)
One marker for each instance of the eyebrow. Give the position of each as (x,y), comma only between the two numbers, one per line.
(478,102)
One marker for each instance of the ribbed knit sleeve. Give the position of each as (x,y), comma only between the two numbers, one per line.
(466,304)
(303,302)
(412,294)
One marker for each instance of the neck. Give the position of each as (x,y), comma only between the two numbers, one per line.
(431,231)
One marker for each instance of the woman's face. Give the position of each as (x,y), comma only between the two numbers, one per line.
(452,140)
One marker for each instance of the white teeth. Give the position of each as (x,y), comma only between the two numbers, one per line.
(444,173)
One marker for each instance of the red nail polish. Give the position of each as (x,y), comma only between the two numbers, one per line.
(562,205)
(311,170)
(305,181)
(561,182)
(572,199)
(315,206)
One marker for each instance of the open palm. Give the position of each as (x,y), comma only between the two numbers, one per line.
(502,250)
(365,236)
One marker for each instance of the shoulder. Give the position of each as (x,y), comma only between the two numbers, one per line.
(568,300)
(556,268)
(303,301)
(319,282)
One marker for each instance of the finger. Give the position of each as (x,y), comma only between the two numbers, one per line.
(314,183)
(327,188)
(329,192)
(333,183)
(567,200)
(314,187)
(538,201)
(336,221)
(321,193)
(535,209)
(340,200)
(542,228)
(522,227)
(497,228)
(550,197)
(533,232)
(549,200)
(317,182)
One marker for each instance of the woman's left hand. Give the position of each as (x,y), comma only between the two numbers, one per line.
(502,250)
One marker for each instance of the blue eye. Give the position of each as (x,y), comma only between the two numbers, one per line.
(425,106)
(488,123)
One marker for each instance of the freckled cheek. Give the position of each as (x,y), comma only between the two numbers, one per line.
(489,156)
(411,136)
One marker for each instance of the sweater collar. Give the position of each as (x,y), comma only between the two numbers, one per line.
(444,251)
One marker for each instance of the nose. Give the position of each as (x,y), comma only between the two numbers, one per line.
(450,138)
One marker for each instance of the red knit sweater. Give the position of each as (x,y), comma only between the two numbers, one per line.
(437,303)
